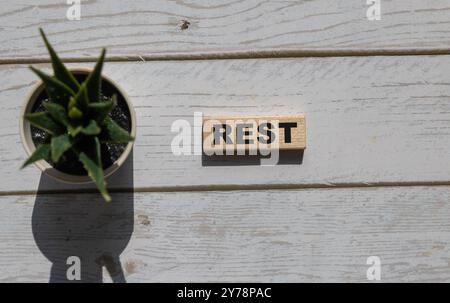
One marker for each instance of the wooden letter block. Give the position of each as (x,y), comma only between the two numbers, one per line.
(248,135)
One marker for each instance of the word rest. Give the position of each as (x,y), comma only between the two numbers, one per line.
(242,134)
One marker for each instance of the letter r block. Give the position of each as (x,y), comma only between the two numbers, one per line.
(218,136)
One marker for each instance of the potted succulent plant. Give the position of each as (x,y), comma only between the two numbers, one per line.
(77,126)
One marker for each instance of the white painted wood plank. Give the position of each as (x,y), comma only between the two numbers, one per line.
(368,120)
(141,27)
(320,235)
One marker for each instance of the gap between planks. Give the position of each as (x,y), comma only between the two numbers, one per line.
(256,187)
(266,54)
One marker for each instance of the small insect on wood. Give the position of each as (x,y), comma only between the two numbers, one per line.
(252,134)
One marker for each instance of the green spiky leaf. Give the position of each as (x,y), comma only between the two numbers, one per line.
(43,121)
(74,109)
(59,69)
(100,110)
(74,130)
(91,129)
(60,145)
(80,100)
(94,169)
(57,112)
(75,113)
(94,80)
(41,152)
(113,133)
(57,91)
(72,103)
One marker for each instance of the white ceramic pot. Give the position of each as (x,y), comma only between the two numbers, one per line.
(25,133)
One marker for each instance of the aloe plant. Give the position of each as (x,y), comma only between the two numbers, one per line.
(75,118)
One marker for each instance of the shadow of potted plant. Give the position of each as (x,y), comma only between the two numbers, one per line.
(78,126)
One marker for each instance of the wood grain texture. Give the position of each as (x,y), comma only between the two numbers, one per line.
(370,120)
(131,29)
(320,235)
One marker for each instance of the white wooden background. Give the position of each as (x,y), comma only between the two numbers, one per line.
(374,180)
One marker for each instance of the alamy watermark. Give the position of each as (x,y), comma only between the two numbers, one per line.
(373,273)
(373,13)
(189,141)
(74,11)
(73,272)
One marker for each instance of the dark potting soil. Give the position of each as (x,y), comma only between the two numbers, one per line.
(69,163)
